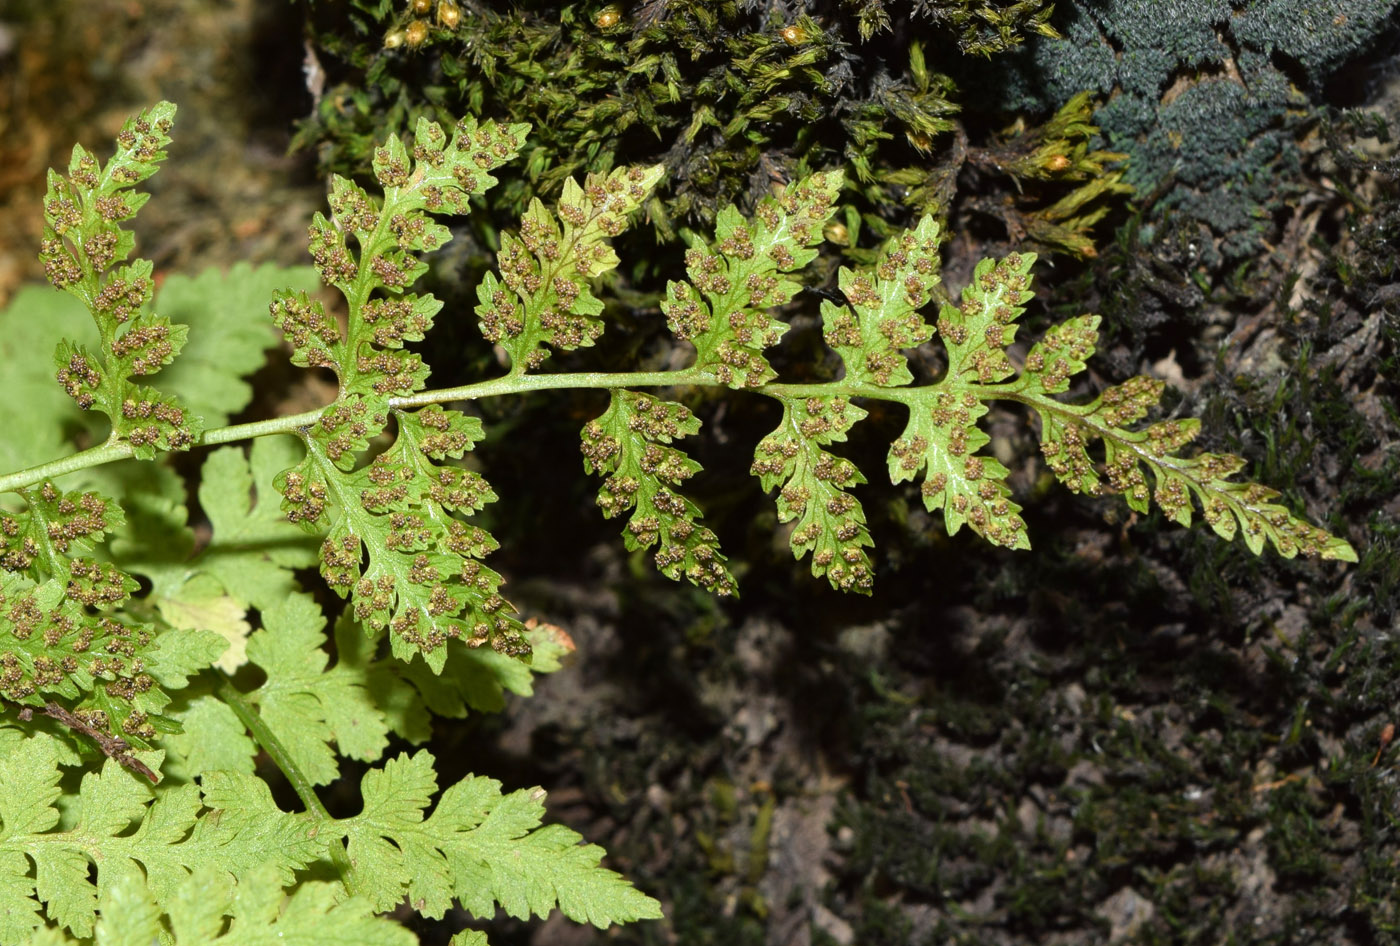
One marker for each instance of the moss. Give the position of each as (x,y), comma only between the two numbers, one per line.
(730,97)
(1208,95)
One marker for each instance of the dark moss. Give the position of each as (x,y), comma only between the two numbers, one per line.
(1209,95)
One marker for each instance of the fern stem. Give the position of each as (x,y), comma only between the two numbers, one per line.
(522,383)
(114,450)
(267,741)
(513,383)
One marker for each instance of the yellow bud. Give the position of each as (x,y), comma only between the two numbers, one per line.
(420,7)
(794,35)
(416,33)
(1057,162)
(449,14)
(919,140)
(393,39)
(608,17)
(837,233)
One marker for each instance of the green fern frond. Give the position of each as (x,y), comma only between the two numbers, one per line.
(628,445)
(377,488)
(228,824)
(814,488)
(393,545)
(83,240)
(543,296)
(882,317)
(66,636)
(723,309)
(479,847)
(210,907)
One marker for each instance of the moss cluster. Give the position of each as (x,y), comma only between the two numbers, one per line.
(730,97)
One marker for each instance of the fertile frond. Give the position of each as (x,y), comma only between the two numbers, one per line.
(883,314)
(66,637)
(1228,506)
(627,445)
(394,544)
(377,489)
(814,484)
(942,438)
(437,176)
(479,847)
(542,297)
(942,434)
(83,240)
(723,309)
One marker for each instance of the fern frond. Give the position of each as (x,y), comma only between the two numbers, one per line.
(393,544)
(542,297)
(479,847)
(723,309)
(628,446)
(941,428)
(258,913)
(229,824)
(66,635)
(1230,507)
(83,240)
(814,488)
(882,318)
(942,438)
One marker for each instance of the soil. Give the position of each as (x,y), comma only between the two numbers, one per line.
(1132,734)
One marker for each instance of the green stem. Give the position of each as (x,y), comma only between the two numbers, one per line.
(507,384)
(267,740)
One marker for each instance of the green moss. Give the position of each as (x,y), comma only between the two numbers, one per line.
(729,97)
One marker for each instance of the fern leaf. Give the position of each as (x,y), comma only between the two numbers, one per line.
(260,913)
(814,488)
(395,546)
(473,678)
(942,435)
(883,314)
(66,638)
(36,319)
(1230,507)
(211,739)
(942,438)
(249,559)
(307,705)
(628,446)
(231,825)
(436,176)
(723,309)
(542,296)
(478,846)
(83,240)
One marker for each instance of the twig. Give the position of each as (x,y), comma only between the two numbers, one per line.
(113,747)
